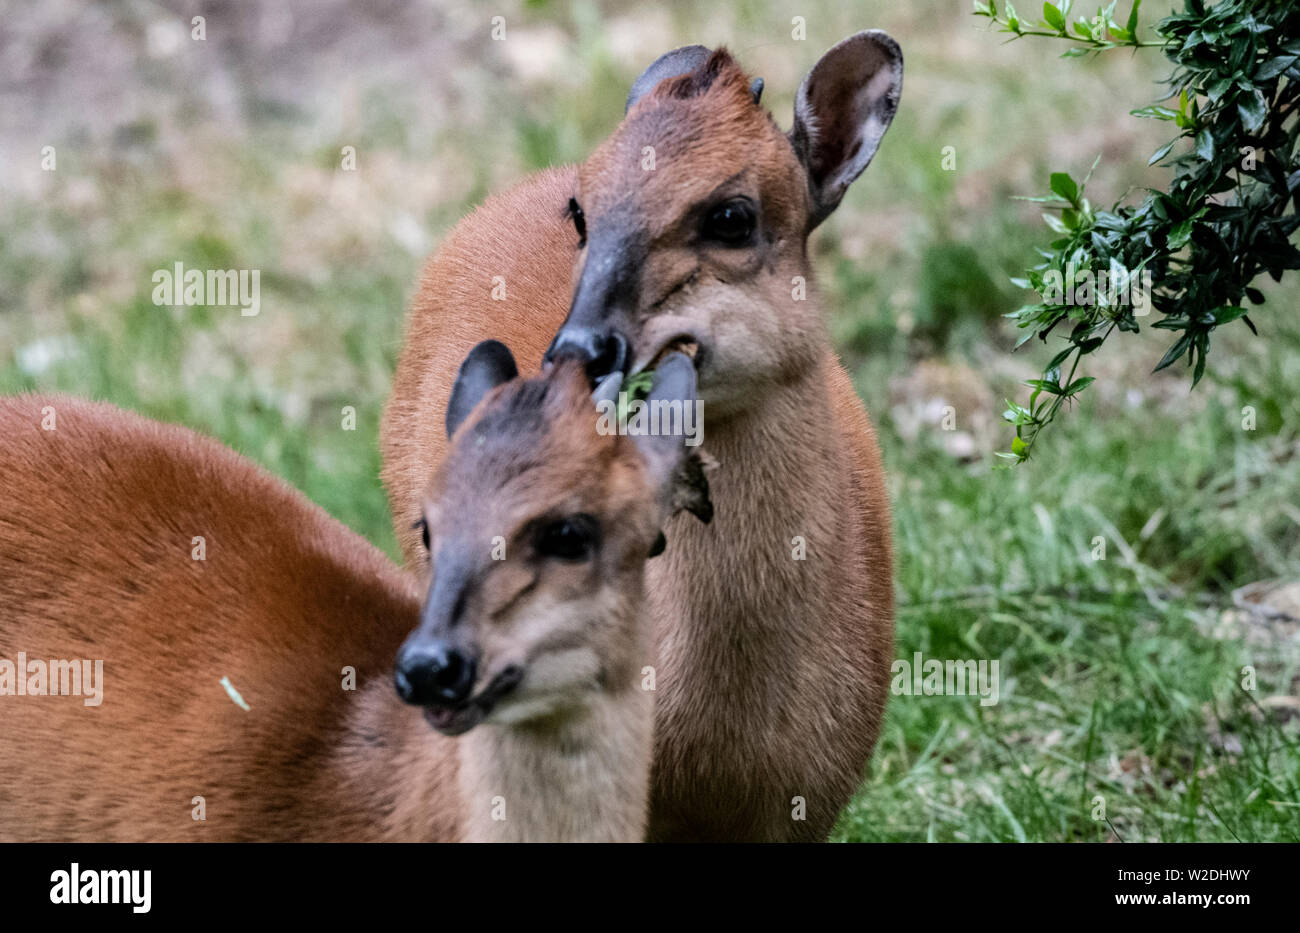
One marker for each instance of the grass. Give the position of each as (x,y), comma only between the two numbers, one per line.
(1120,678)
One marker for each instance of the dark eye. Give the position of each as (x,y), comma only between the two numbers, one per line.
(572,538)
(579,220)
(424,531)
(731,222)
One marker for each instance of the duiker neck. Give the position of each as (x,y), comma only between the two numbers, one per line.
(580,777)
(777,495)
(775,461)
(797,411)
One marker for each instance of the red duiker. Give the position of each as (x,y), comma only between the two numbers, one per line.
(688,228)
(232,647)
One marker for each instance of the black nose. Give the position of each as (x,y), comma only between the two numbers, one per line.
(601,351)
(430,673)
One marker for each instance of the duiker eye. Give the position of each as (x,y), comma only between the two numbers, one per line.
(572,538)
(731,222)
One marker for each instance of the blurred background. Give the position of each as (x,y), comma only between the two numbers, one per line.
(1122,711)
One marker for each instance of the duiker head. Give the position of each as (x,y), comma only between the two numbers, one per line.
(538,528)
(693,216)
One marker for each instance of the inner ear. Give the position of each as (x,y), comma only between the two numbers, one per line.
(487,366)
(842,111)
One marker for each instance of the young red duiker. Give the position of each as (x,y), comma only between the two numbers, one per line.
(245,641)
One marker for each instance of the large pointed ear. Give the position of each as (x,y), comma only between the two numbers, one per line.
(674,460)
(669,65)
(488,365)
(841,112)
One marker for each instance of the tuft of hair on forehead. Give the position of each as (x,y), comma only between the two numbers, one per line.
(528,422)
(529,406)
(520,426)
(719,72)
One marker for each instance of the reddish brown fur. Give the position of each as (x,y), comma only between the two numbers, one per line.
(97,538)
(96,529)
(484,244)
(772,672)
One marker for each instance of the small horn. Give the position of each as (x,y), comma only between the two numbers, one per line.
(756,89)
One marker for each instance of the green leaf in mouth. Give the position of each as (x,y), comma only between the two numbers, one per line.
(633,388)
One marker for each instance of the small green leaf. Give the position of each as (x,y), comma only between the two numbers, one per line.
(1133,18)
(1053,17)
(1227,314)
(1013,21)
(1274,67)
(1253,109)
(1017,414)
(1205,145)
(1044,385)
(1054,223)
(1060,357)
(1217,88)
(1155,112)
(1175,352)
(1062,184)
(633,388)
(638,386)
(1162,152)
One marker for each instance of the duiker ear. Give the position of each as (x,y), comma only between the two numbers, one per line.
(676,467)
(488,365)
(841,112)
(669,65)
